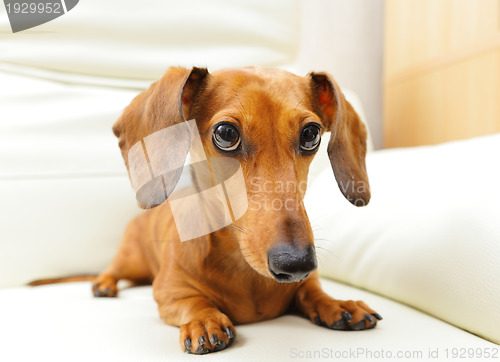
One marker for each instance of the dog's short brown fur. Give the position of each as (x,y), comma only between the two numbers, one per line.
(208,284)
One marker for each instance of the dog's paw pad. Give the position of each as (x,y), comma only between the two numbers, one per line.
(104,287)
(344,315)
(104,292)
(212,335)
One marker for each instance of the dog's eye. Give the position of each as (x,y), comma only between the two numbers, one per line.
(310,137)
(226,137)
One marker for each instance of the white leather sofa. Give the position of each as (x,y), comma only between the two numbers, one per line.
(425,253)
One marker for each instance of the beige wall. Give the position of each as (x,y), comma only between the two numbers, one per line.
(349,45)
(441,71)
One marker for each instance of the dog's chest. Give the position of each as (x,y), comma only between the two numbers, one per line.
(257,301)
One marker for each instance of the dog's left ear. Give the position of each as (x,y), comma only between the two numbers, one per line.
(154,135)
(347,146)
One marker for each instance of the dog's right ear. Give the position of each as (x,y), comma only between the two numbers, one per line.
(154,136)
(347,145)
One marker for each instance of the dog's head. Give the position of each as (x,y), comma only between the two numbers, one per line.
(271,122)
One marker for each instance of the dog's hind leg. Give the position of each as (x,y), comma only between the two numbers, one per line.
(130,263)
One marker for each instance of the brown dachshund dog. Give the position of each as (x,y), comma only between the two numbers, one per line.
(262,265)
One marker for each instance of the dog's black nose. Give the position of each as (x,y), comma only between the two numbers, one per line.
(289,263)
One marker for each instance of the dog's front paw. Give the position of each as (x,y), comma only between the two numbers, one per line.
(343,315)
(104,286)
(207,335)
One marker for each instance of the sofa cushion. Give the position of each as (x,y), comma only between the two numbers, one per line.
(117,39)
(61,322)
(65,192)
(430,235)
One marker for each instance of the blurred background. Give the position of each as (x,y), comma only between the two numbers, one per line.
(441,70)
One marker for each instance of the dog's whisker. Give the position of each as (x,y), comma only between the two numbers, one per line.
(236,227)
(299,102)
(327,250)
(243,110)
(229,227)
(323,239)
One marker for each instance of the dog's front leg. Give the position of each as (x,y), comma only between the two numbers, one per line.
(203,327)
(325,311)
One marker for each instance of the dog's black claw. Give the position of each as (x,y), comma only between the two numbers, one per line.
(100,293)
(377,316)
(187,344)
(317,321)
(220,346)
(109,292)
(214,339)
(338,325)
(229,333)
(347,316)
(369,318)
(202,349)
(358,326)
(217,343)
